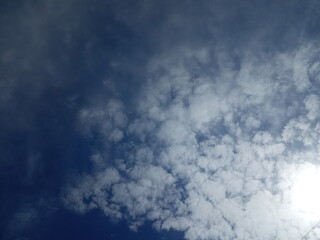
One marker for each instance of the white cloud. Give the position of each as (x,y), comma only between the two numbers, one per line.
(218,151)
(107,122)
(312,103)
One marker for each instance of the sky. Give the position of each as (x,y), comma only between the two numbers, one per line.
(159,120)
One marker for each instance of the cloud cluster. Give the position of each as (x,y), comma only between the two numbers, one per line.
(212,148)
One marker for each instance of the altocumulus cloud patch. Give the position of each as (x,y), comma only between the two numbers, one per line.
(212,147)
(200,117)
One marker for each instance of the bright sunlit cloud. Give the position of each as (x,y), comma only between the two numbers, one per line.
(306,190)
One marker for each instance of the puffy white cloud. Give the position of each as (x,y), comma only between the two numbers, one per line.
(217,152)
(312,103)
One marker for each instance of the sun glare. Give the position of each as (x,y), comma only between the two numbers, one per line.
(306,191)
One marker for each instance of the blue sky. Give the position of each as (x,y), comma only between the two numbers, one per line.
(157,119)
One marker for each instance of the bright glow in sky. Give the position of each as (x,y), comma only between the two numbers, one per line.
(196,118)
(306,191)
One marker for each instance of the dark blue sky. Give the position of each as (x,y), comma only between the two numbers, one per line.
(156,119)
